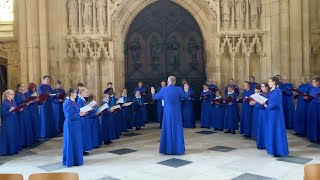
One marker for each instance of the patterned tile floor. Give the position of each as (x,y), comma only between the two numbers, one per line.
(210,155)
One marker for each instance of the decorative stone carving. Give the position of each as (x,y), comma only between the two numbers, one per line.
(192,49)
(156,49)
(240,9)
(226,6)
(255,11)
(87,15)
(174,48)
(101,15)
(73,16)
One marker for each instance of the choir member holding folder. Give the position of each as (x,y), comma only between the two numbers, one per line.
(247,110)
(72,135)
(300,116)
(206,98)
(57,106)
(24,117)
(262,119)
(231,117)
(116,115)
(287,102)
(313,131)
(10,139)
(46,110)
(160,104)
(34,110)
(85,120)
(140,110)
(126,110)
(218,112)
(276,140)
(95,123)
(256,110)
(188,115)
(108,125)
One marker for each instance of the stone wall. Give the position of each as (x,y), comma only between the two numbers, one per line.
(241,38)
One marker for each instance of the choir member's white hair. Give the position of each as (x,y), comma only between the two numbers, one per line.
(172,80)
(5,95)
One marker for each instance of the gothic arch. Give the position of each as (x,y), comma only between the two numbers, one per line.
(124,16)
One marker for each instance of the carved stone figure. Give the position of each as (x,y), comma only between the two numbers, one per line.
(226,5)
(174,55)
(155,49)
(135,48)
(240,10)
(192,48)
(255,10)
(73,16)
(87,15)
(101,15)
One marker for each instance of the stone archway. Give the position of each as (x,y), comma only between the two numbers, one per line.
(124,16)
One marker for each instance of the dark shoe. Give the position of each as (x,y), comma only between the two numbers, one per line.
(228,131)
(233,132)
(220,129)
(216,129)
(86,153)
(107,142)
(276,156)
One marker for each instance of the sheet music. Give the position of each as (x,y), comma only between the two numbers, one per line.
(120,101)
(115,107)
(86,108)
(92,103)
(102,108)
(162,102)
(127,104)
(260,99)
(52,94)
(34,94)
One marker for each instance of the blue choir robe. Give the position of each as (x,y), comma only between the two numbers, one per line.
(140,112)
(58,109)
(236,90)
(10,139)
(288,104)
(48,124)
(108,125)
(218,113)
(126,113)
(213,88)
(115,116)
(24,119)
(276,140)
(246,114)
(253,86)
(206,97)
(72,135)
(95,129)
(85,126)
(188,114)
(300,116)
(231,117)
(159,110)
(143,91)
(172,139)
(261,124)
(313,130)
(35,117)
(255,120)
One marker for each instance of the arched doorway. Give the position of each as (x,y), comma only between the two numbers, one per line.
(3,76)
(164,39)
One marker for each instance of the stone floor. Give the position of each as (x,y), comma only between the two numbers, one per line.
(209,155)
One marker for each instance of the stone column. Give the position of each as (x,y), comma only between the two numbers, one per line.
(285,37)
(22,41)
(276,30)
(97,80)
(233,57)
(81,60)
(80,16)
(43,32)
(94,17)
(306,38)
(247,65)
(296,50)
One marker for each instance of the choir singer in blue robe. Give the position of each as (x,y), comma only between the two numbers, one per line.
(206,97)
(57,106)
(48,125)
(276,140)
(300,116)
(9,130)
(160,105)
(313,132)
(287,102)
(72,136)
(247,110)
(172,139)
(34,112)
(188,115)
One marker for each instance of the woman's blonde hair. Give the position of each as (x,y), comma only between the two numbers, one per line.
(6,94)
